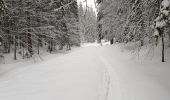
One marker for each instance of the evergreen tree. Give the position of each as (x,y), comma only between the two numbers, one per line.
(87,24)
(30,25)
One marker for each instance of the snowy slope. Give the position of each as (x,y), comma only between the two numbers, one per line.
(88,73)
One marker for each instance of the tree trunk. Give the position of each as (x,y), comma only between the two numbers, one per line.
(15,48)
(100,39)
(38,46)
(8,44)
(38,50)
(111,41)
(50,46)
(23,53)
(163,48)
(161,33)
(141,41)
(51,42)
(30,45)
(22,46)
(20,43)
(157,40)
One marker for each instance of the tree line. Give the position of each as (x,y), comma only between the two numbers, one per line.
(87,23)
(29,26)
(140,21)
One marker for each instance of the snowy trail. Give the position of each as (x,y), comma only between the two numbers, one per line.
(135,80)
(73,76)
(90,73)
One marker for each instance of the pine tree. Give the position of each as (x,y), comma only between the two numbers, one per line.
(87,24)
(161,22)
(33,24)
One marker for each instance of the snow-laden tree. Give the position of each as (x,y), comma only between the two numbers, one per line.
(2,6)
(127,20)
(87,23)
(133,20)
(34,24)
(162,22)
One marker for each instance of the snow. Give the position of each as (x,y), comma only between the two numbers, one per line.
(165,12)
(162,19)
(95,44)
(139,80)
(88,73)
(165,3)
(90,44)
(156,33)
(160,23)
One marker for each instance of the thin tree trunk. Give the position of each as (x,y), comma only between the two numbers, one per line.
(141,41)
(50,46)
(23,47)
(157,40)
(15,48)
(38,46)
(163,48)
(161,32)
(9,44)
(23,53)
(30,45)
(20,43)
(38,50)
(111,41)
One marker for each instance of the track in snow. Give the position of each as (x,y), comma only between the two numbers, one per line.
(91,73)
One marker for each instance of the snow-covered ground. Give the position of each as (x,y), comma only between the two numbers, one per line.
(88,73)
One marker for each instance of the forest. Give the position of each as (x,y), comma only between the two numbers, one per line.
(84,49)
(142,22)
(31,26)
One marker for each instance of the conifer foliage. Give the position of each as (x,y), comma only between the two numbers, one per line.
(30,26)
(136,21)
(87,23)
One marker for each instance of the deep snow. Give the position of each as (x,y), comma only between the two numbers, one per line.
(88,73)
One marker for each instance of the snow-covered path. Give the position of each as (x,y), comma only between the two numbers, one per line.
(136,80)
(72,76)
(91,73)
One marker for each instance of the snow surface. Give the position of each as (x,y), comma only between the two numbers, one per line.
(88,73)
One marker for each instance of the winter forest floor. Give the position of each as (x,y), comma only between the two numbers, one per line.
(88,73)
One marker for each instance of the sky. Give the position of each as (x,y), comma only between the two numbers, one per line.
(89,3)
